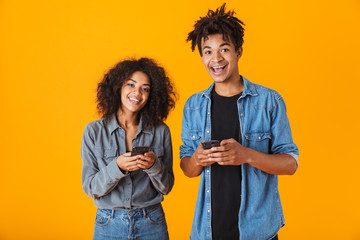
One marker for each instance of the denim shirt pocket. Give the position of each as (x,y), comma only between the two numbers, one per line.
(159,152)
(105,155)
(194,135)
(258,140)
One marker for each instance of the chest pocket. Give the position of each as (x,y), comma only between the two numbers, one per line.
(194,135)
(159,152)
(259,141)
(105,155)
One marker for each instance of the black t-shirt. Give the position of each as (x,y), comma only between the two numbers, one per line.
(225,180)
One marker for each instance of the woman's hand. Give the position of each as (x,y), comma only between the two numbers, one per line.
(130,163)
(146,161)
(127,162)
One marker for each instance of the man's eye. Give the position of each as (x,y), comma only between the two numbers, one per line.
(207,52)
(225,50)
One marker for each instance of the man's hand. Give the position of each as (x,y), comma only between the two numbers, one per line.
(230,152)
(192,166)
(201,156)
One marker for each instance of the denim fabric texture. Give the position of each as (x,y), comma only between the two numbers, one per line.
(142,224)
(265,128)
(103,141)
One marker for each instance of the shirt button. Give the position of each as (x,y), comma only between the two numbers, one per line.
(207,131)
(208,191)
(207,170)
(208,112)
(259,138)
(208,210)
(241,114)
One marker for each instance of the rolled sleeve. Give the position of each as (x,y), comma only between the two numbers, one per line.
(187,148)
(282,141)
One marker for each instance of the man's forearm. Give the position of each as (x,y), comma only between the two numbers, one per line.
(276,164)
(189,167)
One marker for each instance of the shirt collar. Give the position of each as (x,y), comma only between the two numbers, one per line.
(249,89)
(114,125)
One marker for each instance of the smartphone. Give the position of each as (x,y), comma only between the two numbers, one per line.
(138,150)
(210,144)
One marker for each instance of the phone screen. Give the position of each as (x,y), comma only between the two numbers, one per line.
(210,144)
(138,150)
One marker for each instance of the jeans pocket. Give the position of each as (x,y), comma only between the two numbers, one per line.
(156,216)
(102,218)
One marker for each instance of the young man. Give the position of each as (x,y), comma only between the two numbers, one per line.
(238,195)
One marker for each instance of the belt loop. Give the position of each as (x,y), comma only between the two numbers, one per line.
(144,212)
(112,213)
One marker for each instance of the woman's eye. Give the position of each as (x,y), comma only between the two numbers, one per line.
(146,90)
(131,85)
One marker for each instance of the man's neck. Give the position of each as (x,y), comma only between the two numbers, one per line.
(229,88)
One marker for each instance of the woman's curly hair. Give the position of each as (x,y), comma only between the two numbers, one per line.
(217,22)
(162,94)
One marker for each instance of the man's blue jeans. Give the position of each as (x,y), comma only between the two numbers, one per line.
(144,224)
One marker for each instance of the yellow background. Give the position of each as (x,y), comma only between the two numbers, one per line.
(53,53)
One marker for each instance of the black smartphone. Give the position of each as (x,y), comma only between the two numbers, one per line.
(138,150)
(210,144)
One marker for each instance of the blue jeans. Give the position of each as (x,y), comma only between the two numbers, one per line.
(144,224)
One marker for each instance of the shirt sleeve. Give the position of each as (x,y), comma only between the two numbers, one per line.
(187,149)
(282,141)
(97,182)
(161,172)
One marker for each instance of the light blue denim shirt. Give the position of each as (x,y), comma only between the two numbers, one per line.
(265,128)
(103,141)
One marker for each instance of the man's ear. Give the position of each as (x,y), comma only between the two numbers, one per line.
(239,53)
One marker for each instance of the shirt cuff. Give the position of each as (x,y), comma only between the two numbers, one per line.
(155,168)
(114,171)
(295,156)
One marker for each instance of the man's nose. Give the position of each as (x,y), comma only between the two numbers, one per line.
(217,57)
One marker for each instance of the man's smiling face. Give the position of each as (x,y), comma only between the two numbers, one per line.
(220,58)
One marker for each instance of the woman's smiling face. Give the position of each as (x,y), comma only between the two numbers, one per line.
(135,92)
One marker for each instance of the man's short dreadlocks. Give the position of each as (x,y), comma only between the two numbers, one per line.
(217,22)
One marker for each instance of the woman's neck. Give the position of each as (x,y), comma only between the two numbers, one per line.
(127,119)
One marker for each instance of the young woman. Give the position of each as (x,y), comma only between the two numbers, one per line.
(133,98)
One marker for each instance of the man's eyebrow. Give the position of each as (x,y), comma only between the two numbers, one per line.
(224,44)
(221,45)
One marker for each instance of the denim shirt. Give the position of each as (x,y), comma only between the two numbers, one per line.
(111,188)
(265,128)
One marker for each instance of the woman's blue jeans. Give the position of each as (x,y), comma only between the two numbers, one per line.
(144,224)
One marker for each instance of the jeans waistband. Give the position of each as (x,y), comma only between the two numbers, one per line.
(141,212)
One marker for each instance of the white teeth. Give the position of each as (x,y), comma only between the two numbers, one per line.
(134,99)
(218,67)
